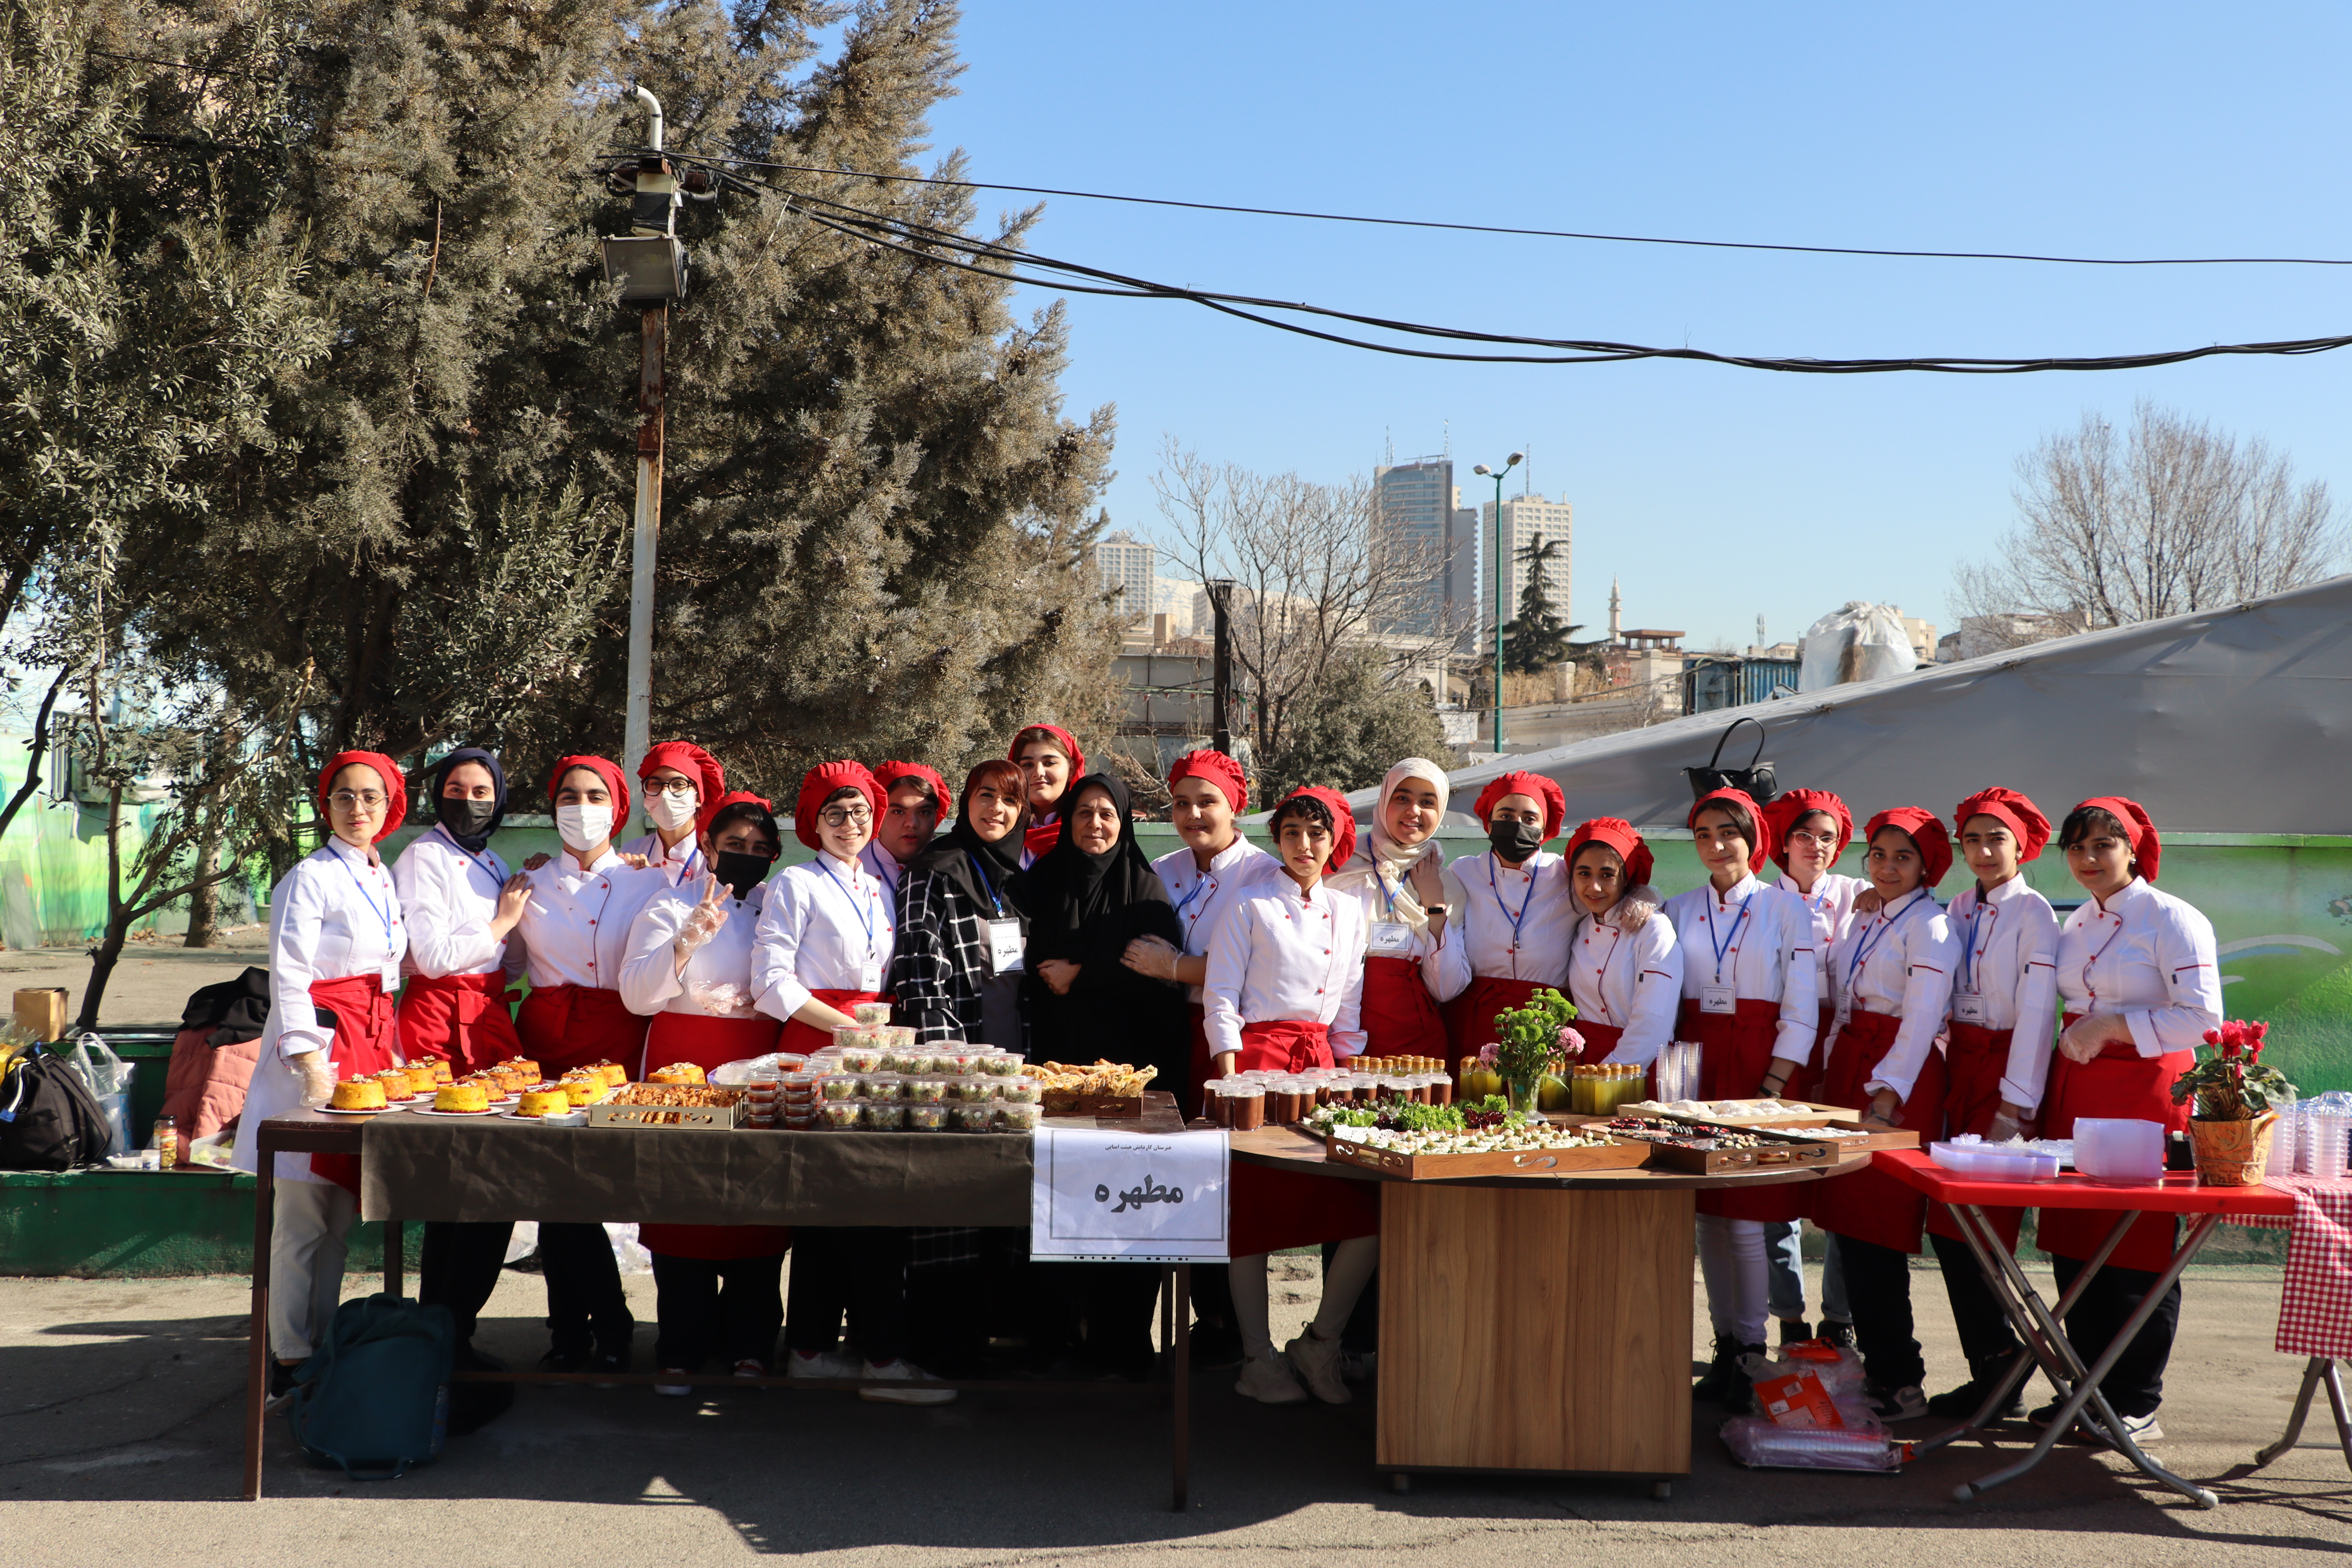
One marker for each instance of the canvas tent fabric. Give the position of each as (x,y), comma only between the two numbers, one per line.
(2229,721)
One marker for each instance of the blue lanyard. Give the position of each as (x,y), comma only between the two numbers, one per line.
(990,883)
(468,854)
(864,912)
(1868,945)
(1969,948)
(1202,886)
(1492,887)
(1724,946)
(383,915)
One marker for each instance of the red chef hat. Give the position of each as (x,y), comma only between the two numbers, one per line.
(2148,849)
(1619,834)
(1343,823)
(1927,831)
(888,776)
(710,778)
(1555,804)
(1792,806)
(395,786)
(602,769)
(1219,770)
(737,797)
(1759,852)
(818,787)
(2013,810)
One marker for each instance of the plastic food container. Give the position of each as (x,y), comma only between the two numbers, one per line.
(843,1114)
(955,1063)
(1016,1090)
(861,1059)
(836,1088)
(899,1036)
(973,1117)
(1245,1102)
(885,1116)
(2121,1150)
(927,1091)
(882,1086)
(1019,1118)
(1993,1163)
(871,1014)
(998,1064)
(970,1090)
(922,1117)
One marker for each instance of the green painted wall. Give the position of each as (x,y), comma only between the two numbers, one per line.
(142,1224)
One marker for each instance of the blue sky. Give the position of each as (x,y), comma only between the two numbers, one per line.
(1716,494)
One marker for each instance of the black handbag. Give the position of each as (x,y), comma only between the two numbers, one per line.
(1756,780)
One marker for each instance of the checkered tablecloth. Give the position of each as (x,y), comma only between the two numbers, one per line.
(2315,1304)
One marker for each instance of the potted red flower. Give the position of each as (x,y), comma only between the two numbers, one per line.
(2232,1122)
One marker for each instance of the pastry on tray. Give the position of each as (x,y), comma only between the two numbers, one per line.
(676,1072)
(544,1102)
(525,1066)
(615,1074)
(462,1097)
(358,1094)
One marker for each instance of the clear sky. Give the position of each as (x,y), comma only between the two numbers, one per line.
(1716,494)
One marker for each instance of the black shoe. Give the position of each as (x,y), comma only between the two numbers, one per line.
(1985,1374)
(1833,1332)
(562,1360)
(608,1361)
(281,1382)
(1739,1387)
(1794,1331)
(1215,1347)
(1717,1376)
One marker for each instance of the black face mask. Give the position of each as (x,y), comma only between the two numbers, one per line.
(466,819)
(742,872)
(1515,841)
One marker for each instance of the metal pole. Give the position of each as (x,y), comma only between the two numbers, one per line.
(1501,568)
(650,371)
(1220,664)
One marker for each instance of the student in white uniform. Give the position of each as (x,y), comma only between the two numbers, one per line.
(336,938)
(1508,914)
(1285,990)
(914,797)
(682,784)
(1624,967)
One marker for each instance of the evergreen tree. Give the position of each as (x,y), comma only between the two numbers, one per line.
(1538,638)
(1352,728)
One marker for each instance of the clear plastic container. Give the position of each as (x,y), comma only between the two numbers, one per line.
(861,1059)
(1246,1102)
(1016,1090)
(883,1086)
(884,1116)
(974,1116)
(836,1088)
(928,1091)
(871,1014)
(926,1118)
(840,1115)
(1019,1118)
(955,1063)
(999,1063)
(1994,1163)
(970,1090)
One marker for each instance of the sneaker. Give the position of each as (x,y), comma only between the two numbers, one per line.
(1717,1376)
(904,1371)
(1316,1360)
(1895,1403)
(2141,1428)
(1269,1382)
(751,1367)
(673,1390)
(610,1362)
(1833,1332)
(2138,1428)
(819,1364)
(1966,1399)
(1739,1387)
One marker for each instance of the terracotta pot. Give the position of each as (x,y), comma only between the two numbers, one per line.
(2232,1153)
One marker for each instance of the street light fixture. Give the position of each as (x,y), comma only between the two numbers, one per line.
(1501,570)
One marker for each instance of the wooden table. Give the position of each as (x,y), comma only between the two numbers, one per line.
(1532,1324)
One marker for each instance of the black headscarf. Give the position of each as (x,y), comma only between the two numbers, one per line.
(951,854)
(472,843)
(1068,894)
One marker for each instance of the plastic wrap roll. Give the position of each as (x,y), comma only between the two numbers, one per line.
(1754,1440)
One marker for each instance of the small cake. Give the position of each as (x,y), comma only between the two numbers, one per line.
(543,1102)
(527,1067)
(358,1094)
(676,1072)
(461,1097)
(394,1084)
(583,1088)
(421,1078)
(441,1073)
(510,1081)
(615,1074)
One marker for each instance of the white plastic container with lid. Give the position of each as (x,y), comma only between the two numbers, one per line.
(2122,1149)
(1994,1163)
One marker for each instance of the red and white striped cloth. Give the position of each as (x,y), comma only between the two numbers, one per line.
(2316,1304)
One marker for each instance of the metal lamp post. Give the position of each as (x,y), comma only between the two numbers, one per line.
(1501,570)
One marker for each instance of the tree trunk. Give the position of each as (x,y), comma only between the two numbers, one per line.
(204,904)
(102,960)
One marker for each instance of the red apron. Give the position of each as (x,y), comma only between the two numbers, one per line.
(461,1019)
(1271,1209)
(1400,1016)
(1974,1062)
(361,1045)
(806,1039)
(2118,1082)
(566,1027)
(708,1043)
(1867,1205)
(1734,1052)
(1470,1017)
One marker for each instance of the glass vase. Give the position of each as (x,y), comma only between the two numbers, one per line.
(1526,1097)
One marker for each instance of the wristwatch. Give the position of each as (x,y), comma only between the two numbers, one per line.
(1433,909)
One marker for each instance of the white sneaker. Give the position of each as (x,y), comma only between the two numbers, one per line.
(2142,1429)
(903,1370)
(1316,1360)
(673,1390)
(823,1363)
(1269,1382)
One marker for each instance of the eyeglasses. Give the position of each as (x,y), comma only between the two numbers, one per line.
(843,815)
(1820,840)
(346,800)
(669,786)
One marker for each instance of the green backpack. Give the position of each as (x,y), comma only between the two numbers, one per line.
(375,1399)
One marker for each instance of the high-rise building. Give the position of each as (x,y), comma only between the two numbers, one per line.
(1126,563)
(1418,517)
(1524,518)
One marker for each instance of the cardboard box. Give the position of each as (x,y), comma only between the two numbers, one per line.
(1798,1399)
(42,1010)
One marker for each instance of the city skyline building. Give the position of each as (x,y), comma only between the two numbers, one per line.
(1418,515)
(1524,517)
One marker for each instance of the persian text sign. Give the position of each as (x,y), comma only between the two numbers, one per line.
(1128,1196)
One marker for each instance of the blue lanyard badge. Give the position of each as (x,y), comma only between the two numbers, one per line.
(863,908)
(382,914)
(1723,947)
(1869,944)
(1492,886)
(989,882)
(1968,947)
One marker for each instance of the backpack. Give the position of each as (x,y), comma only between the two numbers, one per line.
(49,1121)
(374,1400)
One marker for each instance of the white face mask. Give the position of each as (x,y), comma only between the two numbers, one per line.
(583,827)
(672,811)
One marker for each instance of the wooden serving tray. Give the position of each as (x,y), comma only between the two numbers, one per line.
(1060,1103)
(1776,1155)
(1879,1137)
(1498,1162)
(1815,1115)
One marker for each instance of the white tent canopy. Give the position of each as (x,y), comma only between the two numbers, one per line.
(2231,721)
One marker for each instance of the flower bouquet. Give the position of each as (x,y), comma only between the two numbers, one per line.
(2231,1119)
(1532,1043)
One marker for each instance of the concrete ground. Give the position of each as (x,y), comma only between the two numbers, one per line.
(119,1442)
(151,982)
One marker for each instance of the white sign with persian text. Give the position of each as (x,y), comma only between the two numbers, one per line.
(1128,1197)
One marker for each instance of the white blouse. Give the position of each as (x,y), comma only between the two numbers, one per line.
(1898,960)
(827,925)
(677,863)
(2149,956)
(1201,897)
(1630,980)
(331,917)
(1503,921)
(575,926)
(1362,877)
(1758,940)
(718,979)
(2007,974)
(450,897)
(1280,955)
(1829,903)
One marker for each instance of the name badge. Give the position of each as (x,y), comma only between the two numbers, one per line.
(1004,947)
(1391,939)
(1718,999)
(1968,1006)
(869,979)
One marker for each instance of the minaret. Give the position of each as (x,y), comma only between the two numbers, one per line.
(1616,627)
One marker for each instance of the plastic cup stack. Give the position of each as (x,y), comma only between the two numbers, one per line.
(2282,1139)
(2328,1150)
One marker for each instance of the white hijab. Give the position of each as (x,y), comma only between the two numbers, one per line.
(1380,861)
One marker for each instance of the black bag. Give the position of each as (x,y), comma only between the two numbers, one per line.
(1756,780)
(49,1121)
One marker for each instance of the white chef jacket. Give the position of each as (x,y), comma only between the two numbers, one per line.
(1898,960)
(682,862)
(2007,947)
(884,867)
(824,923)
(331,917)
(718,979)
(576,926)
(1829,903)
(1280,953)
(1202,899)
(450,897)
(1509,922)
(1760,940)
(1629,980)
(2149,956)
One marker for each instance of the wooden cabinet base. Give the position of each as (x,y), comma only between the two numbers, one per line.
(1542,1332)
